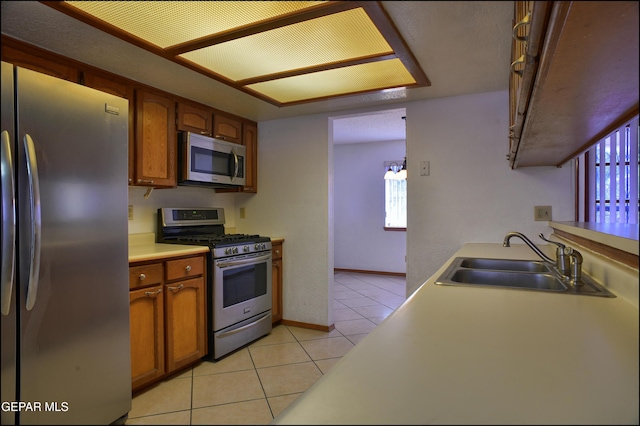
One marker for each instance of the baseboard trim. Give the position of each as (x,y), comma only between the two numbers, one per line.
(319,327)
(363,271)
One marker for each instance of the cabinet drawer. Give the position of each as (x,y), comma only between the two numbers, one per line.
(185,268)
(145,275)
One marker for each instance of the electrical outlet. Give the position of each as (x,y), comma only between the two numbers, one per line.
(130,212)
(243,213)
(542,213)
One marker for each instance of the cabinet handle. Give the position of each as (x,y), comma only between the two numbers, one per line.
(205,133)
(220,137)
(153,293)
(180,287)
(525,21)
(142,277)
(188,268)
(518,61)
(145,180)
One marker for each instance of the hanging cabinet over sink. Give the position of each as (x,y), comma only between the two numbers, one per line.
(574,77)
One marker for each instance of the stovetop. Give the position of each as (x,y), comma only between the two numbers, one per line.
(218,240)
(205,226)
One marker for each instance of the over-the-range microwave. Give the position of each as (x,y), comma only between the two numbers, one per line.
(205,161)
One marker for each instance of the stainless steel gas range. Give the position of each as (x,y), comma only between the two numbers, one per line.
(238,275)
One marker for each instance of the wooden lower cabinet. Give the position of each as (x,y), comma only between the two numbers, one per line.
(276,281)
(185,322)
(167,317)
(146,313)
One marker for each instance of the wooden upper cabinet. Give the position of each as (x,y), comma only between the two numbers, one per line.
(579,82)
(250,141)
(50,66)
(227,128)
(155,140)
(121,88)
(194,118)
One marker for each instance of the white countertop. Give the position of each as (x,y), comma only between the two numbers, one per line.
(461,355)
(142,247)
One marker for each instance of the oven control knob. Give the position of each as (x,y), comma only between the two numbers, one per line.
(235,250)
(246,249)
(228,251)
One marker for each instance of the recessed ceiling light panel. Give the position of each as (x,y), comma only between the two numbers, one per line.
(341,81)
(167,23)
(283,52)
(332,38)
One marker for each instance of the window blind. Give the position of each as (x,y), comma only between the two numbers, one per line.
(614,181)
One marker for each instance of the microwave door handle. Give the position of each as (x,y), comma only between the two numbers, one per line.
(8,224)
(236,164)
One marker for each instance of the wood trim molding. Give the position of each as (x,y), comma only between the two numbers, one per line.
(621,256)
(310,326)
(361,271)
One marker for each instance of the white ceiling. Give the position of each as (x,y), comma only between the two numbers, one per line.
(463,47)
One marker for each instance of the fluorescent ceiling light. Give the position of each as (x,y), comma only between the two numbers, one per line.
(283,52)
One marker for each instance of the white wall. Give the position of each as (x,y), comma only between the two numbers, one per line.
(471,195)
(293,202)
(360,241)
(145,210)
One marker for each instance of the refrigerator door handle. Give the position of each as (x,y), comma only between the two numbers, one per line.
(8,225)
(36,220)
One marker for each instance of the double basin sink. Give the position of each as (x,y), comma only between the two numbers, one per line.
(514,274)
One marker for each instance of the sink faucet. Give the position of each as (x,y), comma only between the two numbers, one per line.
(510,235)
(568,261)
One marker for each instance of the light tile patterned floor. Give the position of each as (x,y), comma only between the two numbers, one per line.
(257,382)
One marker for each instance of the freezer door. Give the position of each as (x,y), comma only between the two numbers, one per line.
(74,318)
(8,322)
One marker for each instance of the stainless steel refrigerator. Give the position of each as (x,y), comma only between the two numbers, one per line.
(65,300)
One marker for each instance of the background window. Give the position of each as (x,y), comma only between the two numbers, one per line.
(395,203)
(610,177)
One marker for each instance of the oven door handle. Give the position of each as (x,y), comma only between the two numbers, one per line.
(223,264)
(244,327)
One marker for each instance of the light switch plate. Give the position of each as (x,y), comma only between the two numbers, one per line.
(424,168)
(130,212)
(542,213)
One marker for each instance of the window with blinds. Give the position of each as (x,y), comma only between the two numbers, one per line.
(395,204)
(611,177)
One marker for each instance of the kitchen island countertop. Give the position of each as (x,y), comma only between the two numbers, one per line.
(462,355)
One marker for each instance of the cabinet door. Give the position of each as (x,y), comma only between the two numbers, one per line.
(155,140)
(192,118)
(118,88)
(227,128)
(146,313)
(250,141)
(185,322)
(276,282)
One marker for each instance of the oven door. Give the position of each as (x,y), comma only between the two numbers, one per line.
(241,288)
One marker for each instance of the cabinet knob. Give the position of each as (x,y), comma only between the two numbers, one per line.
(278,252)
(142,277)
(188,268)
